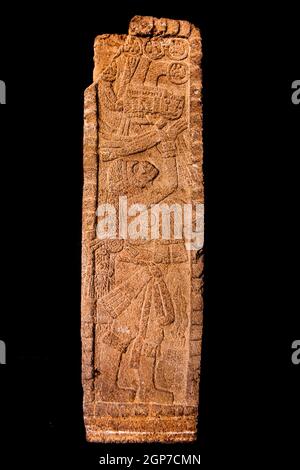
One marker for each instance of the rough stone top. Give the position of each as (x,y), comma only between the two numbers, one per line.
(150,26)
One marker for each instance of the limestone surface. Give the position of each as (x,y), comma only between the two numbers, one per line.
(142,296)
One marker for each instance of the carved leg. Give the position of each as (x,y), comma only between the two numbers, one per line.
(110,360)
(147,391)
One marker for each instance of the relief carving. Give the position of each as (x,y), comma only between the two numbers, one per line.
(141,295)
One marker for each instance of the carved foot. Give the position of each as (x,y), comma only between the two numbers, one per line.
(155,396)
(118,395)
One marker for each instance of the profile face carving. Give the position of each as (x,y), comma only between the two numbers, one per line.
(173,106)
(143,173)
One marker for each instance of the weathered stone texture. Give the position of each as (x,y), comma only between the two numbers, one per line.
(142,300)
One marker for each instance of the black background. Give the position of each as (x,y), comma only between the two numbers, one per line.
(249,410)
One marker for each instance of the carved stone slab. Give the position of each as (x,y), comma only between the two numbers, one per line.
(142,296)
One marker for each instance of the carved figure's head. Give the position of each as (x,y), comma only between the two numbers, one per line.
(142,173)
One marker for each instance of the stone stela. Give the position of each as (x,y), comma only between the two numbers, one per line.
(142,299)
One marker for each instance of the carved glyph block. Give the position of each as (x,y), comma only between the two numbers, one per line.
(142,281)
